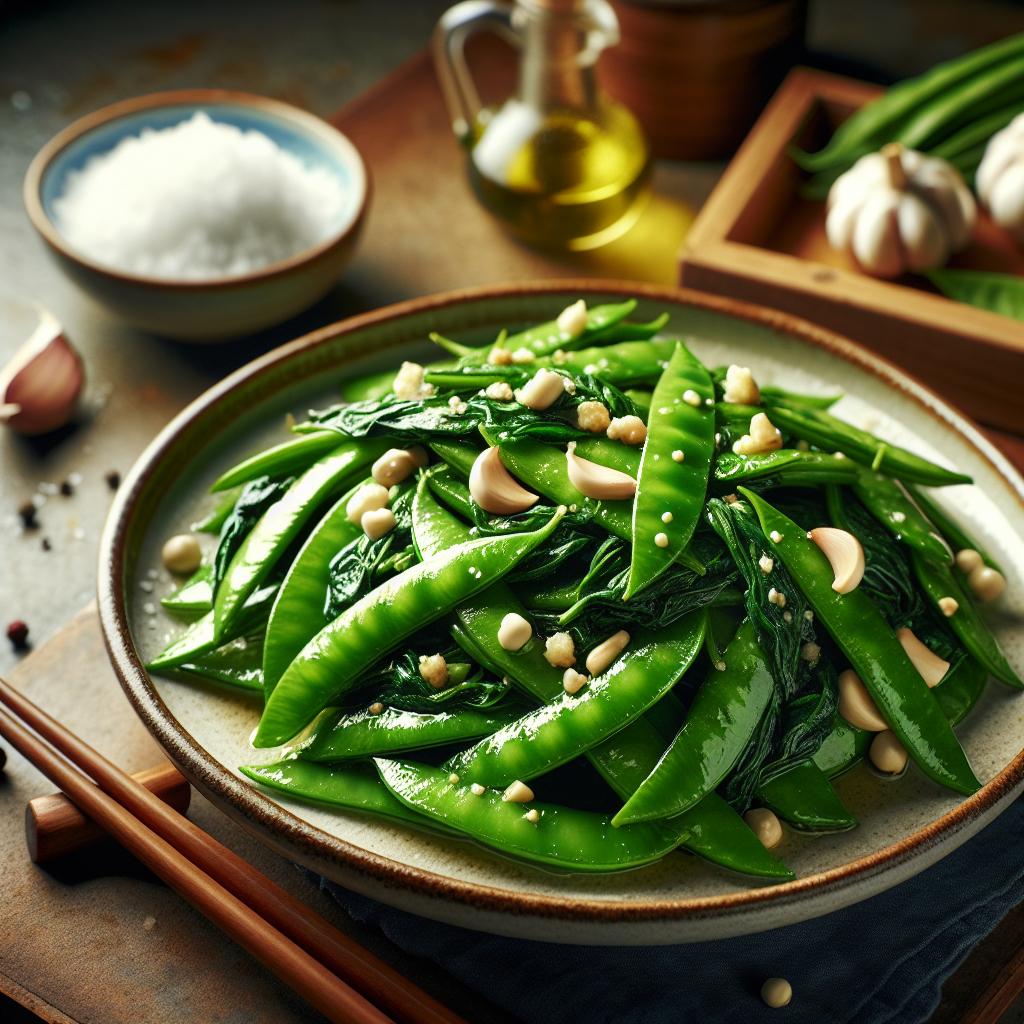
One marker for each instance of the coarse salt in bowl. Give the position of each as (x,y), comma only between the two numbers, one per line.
(201,214)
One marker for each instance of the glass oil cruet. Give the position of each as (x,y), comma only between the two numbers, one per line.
(559,163)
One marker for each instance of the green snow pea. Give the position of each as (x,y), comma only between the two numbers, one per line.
(939,581)
(890,504)
(284,520)
(559,731)
(201,636)
(624,364)
(858,628)
(641,399)
(717,833)
(721,720)
(803,797)
(544,469)
(787,467)
(334,659)
(626,330)
(459,457)
(363,734)
(842,748)
(194,596)
(614,454)
(956,536)
(292,456)
(214,520)
(237,664)
(674,468)
(300,611)
(824,430)
(373,386)
(354,787)
(561,837)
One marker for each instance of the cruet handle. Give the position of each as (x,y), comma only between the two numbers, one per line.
(457,24)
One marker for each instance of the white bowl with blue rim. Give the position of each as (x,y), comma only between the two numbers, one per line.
(216,308)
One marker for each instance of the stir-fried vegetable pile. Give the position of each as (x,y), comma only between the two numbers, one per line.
(580,598)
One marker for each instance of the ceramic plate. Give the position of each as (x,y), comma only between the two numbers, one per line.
(904,826)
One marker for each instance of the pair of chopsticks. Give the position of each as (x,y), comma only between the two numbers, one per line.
(332,972)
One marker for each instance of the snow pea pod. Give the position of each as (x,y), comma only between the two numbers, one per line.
(842,748)
(939,581)
(300,611)
(624,364)
(717,832)
(354,787)
(826,431)
(721,720)
(956,536)
(561,837)
(344,737)
(283,521)
(857,626)
(292,456)
(626,330)
(674,468)
(561,730)
(544,469)
(201,636)
(458,456)
(890,504)
(237,664)
(785,467)
(214,520)
(545,339)
(334,659)
(194,596)
(804,798)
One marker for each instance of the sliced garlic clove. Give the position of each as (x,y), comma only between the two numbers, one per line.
(494,489)
(39,387)
(542,390)
(596,481)
(856,705)
(845,555)
(927,662)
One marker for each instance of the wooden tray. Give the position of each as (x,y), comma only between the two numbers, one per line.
(758,240)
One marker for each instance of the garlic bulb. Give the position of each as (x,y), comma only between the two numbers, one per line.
(39,387)
(1000,177)
(899,210)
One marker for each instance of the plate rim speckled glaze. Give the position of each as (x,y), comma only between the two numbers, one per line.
(486,907)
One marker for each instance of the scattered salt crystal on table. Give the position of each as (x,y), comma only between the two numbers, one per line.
(198,200)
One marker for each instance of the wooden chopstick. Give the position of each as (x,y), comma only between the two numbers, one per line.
(343,956)
(293,965)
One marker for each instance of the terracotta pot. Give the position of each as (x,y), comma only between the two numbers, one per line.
(697,74)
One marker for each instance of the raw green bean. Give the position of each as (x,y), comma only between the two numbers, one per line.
(721,720)
(939,581)
(333,660)
(857,627)
(354,787)
(345,736)
(292,456)
(787,467)
(560,731)
(283,521)
(674,469)
(956,536)
(804,798)
(300,611)
(890,504)
(561,837)
(194,596)
(826,431)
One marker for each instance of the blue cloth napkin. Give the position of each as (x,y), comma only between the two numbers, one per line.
(881,961)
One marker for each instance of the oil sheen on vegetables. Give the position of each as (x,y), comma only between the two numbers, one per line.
(561,179)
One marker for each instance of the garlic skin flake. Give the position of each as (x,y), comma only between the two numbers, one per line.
(1000,178)
(899,210)
(40,386)
(596,481)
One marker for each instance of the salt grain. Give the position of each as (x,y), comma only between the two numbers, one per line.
(198,200)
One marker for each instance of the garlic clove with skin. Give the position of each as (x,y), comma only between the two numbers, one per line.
(40,386)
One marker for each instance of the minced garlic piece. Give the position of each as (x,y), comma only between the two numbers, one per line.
(434,670)
(740,386)
(499,356)
(522,355)
(500,391)
(560,650)
(766,564)
(409,382)
(627,429)
(764,436)
(593,417)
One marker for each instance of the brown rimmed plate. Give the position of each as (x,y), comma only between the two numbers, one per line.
(905,825)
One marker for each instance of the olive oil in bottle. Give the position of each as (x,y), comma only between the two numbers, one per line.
(559,163)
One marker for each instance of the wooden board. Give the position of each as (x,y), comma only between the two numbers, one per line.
(100,939)
(756,239)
